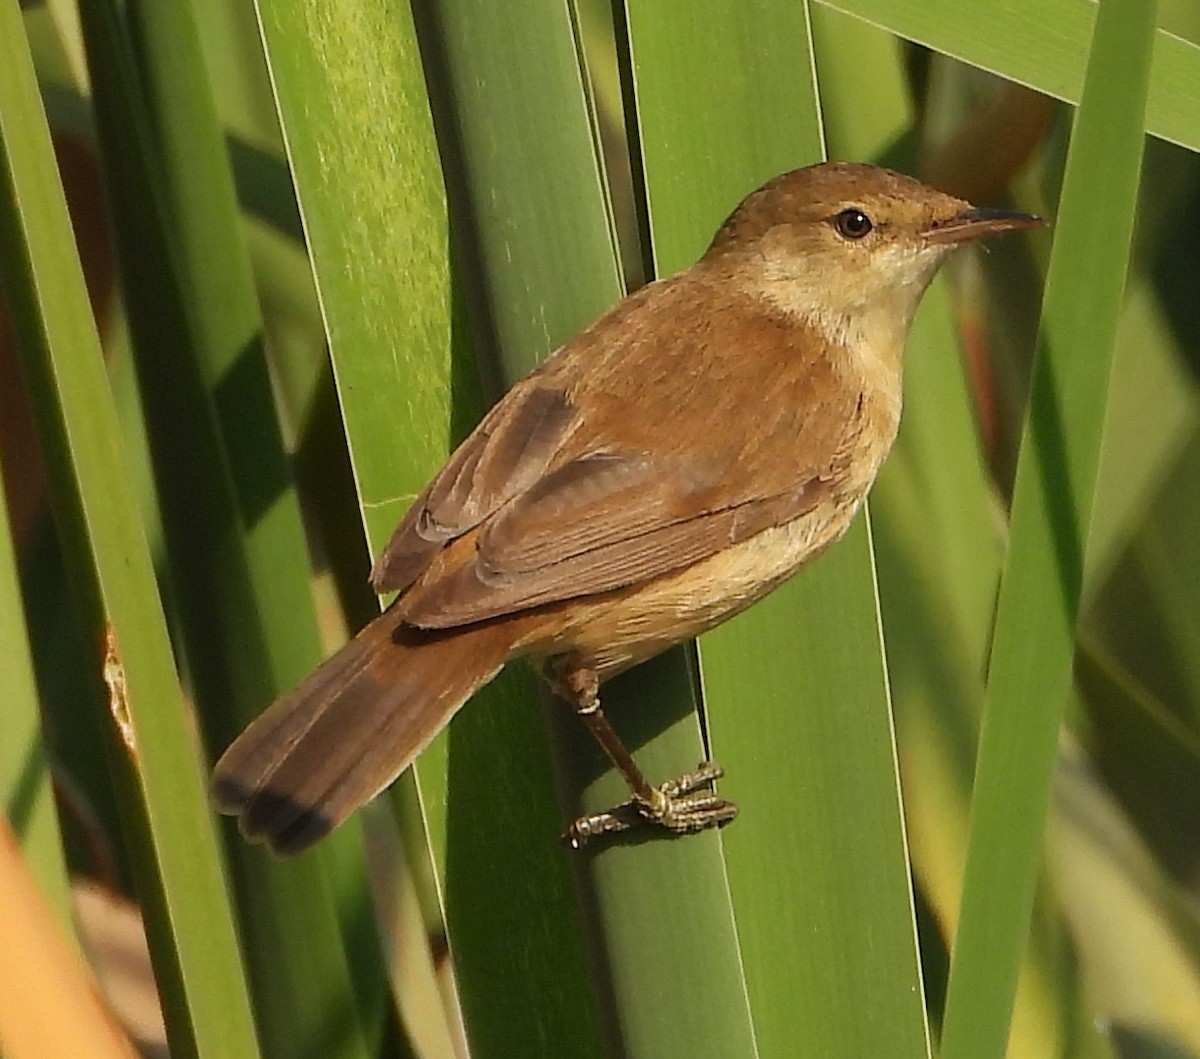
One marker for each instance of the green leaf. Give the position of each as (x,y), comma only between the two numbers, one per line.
(1033,643)
(234,541)
(360,138)
(1043,44)
(797,706)
(152,752)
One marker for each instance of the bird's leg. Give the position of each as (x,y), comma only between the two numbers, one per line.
(679,805)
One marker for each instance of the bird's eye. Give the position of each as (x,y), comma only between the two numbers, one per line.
(852,224)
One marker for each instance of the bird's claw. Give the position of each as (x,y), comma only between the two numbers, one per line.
(679,805)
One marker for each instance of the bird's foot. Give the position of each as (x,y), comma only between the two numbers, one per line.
(679,805)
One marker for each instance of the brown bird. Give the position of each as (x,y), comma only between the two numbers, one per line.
(670,465)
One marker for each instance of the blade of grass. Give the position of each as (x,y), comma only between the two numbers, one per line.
(153,757)
(934,529)
(524,167)
(936,538)
(357,124)
(360,145)
(238,562)
(1032,646)
(1043,44)
(814,733)
(663,959)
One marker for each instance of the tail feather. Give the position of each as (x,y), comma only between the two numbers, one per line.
(351,727)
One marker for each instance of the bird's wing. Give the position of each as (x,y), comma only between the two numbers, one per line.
(598,523)
(505,454)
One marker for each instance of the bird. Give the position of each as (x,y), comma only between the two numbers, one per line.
(696,445)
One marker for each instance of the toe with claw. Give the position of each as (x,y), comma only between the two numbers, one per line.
(680,805)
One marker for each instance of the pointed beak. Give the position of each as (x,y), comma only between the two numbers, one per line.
(979,224)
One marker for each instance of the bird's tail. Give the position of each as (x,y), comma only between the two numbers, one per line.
(351,727)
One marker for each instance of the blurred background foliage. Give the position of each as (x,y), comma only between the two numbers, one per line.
(466,185)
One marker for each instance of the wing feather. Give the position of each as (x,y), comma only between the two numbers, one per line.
(592,556)
(509,450)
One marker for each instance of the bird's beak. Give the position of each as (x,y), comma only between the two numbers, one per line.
(979,224)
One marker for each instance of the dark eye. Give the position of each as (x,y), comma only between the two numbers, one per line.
(852,224)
